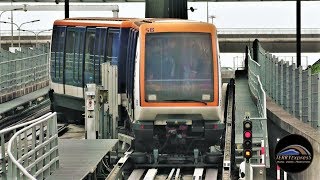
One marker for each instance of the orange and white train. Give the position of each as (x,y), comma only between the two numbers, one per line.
(168,71)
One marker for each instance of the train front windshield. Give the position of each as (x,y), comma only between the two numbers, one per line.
(178,67)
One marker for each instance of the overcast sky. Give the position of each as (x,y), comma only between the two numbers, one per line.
(228,14)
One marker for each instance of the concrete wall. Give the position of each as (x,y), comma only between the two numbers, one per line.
(292,125)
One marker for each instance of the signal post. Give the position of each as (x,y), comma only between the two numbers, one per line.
(247,145)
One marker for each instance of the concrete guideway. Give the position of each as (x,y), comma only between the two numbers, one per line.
(10,105)
(245,104)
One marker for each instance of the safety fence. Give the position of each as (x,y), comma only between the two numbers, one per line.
(32,151)
(294,89)
(256,88)
(23,72)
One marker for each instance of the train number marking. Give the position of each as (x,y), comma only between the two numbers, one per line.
(150,29)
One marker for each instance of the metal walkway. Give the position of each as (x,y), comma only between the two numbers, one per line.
(77,158)
(245,104)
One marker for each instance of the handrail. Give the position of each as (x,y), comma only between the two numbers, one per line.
(258,91)
(5,131)
(23,124)
(264,102)
(261,97)
(16,155)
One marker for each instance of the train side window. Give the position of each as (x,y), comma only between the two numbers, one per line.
(74,50)
(57,53)
(89,56)
(128,62)
(113,41)
(53,72)
(99,53)
(70,56)
(132,59)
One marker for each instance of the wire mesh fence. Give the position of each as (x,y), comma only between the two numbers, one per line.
(23,72)
(294,89)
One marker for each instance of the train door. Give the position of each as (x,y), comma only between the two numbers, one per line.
(131,53)
(95,54)
(99,53)
(113,44)
(73,61)
(89,56)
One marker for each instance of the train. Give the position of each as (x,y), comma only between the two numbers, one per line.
(168,72)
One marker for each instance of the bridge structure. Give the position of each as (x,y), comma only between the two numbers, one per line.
(231,40)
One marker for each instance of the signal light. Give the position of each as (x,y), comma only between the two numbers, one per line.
(247,125)
(247,154)
(246,144)
(247,134)
(247,139)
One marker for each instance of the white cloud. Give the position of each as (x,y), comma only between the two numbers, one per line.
(228,14)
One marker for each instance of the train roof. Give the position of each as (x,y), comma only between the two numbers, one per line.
(118,22)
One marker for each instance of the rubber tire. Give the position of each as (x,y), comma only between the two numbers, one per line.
(139,157)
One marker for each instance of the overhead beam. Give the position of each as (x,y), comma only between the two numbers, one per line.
(99,1)
(60,7)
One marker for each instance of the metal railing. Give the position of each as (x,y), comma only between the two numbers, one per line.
(296,90)
(26,32)
(23,71)
(256,88)
(6,134)
(239,61)
(32,152)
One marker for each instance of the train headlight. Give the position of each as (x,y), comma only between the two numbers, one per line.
(152,97)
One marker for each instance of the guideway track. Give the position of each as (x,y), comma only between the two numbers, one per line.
(175,173)
(122,171)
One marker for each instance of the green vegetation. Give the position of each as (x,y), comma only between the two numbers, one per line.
(315,68)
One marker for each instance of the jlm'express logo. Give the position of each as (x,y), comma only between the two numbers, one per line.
(293,153)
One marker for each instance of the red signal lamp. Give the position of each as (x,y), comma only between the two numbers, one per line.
(247,134)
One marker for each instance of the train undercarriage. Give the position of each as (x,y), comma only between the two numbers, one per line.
(179,143)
